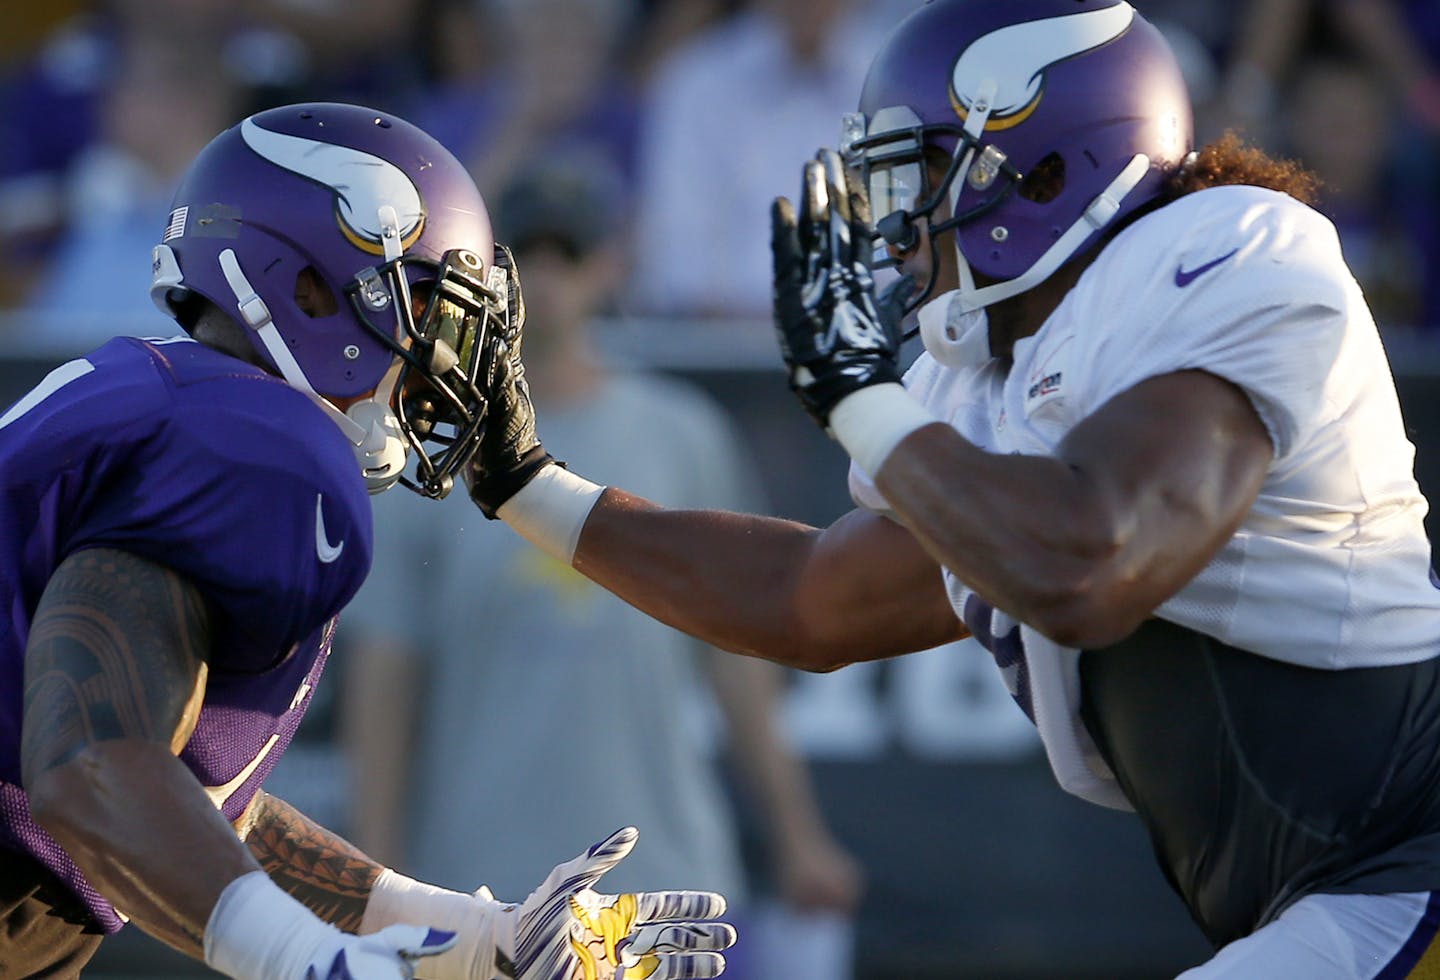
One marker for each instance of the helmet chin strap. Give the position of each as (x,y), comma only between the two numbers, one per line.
(369,426)
(953,338)
(1100,213)
(975,122)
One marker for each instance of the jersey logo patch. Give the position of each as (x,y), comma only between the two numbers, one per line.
(324,550)
(1184,277)
(1047,385)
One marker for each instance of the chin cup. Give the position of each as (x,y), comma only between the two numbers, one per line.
(382,452)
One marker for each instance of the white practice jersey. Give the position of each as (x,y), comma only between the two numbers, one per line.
(1331,567)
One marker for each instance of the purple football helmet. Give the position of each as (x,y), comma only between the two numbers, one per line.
(380,214)
(1085,93)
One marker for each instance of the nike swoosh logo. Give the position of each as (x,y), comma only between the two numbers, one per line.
(219,794)
(324,550)
(1184,278)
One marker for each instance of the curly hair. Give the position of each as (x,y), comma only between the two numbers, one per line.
(1230,160)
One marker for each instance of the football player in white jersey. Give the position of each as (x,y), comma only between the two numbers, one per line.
(1152,458)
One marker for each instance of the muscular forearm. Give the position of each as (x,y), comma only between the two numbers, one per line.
(1085,545)
(115,673)
(314,865)
(763,586)
(144,833)
(1026,532)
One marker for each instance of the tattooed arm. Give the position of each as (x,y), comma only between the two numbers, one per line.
(317,866)
(115,674)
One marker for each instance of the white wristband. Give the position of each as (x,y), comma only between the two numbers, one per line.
(257,931)
(550,510)
(395,898)
(870,423)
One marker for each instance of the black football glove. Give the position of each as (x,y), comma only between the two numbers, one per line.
(836,337)
(510,453)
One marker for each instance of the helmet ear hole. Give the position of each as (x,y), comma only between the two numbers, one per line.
(313,295)
(1045,181)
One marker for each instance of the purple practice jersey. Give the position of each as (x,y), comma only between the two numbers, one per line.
(197,461)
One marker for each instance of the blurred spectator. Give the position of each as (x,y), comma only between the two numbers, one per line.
(663,25)
(552,86)
(28,24)
(58,80)
(1399,38)
(361,51)
(1402,39)
(161,104)
(525,672)
(1331,96)
(1383,162)
(731,117)
(95,118)
(1270,37)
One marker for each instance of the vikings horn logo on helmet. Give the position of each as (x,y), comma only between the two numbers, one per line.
(357,201)
(1015,58)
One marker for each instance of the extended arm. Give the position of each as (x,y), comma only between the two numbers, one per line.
(860,589)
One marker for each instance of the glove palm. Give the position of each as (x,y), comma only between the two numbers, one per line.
(835,335)
(567,931)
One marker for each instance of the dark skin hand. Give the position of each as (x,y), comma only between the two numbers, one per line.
(114,678)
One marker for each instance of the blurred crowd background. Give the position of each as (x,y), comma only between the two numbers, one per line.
(630,149)
(698,111)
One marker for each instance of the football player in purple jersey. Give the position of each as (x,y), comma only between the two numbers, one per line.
(1151,457)
(185,520)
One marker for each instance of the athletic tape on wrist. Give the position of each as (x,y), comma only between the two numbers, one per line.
(257,930)
(394,898)
(550,510)
(870,423)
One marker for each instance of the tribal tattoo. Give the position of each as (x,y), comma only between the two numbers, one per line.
(117,650)
(319,868)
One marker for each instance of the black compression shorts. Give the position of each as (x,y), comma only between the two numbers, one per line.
(1261,782)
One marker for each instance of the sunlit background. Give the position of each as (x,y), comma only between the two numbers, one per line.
(689,116)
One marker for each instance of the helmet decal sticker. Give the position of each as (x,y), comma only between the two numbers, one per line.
(175,227)
(357,202)
(1015,58)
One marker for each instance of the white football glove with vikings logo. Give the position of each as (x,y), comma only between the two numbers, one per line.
(565,930)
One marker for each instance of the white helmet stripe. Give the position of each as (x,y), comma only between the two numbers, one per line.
(358,200)
(1016,57)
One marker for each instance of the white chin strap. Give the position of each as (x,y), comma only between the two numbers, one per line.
(1100,213)
(955,338)
(371,428)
